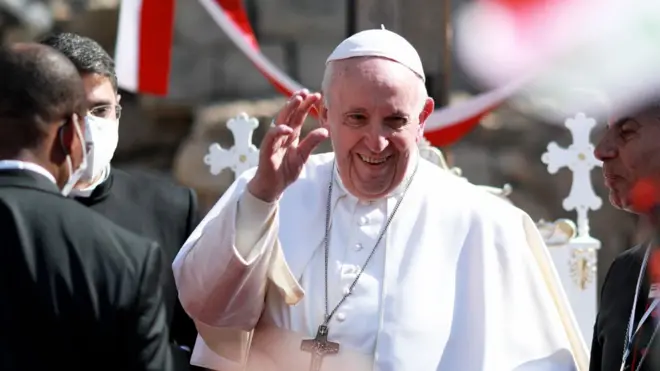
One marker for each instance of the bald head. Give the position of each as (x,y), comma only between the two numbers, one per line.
(40,88)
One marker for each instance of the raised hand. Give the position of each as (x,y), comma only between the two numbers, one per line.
(282,153)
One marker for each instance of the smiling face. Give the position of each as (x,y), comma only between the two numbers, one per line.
(630,151)
(375,113)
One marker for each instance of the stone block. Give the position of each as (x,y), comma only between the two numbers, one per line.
(475,163)
(240,77)
(311,61)
(193,26)
(301,19)
(100,25)
(135,128)
(201,74)
(210,120)
(189,169)
(191,74)
(374,13)
(422,24)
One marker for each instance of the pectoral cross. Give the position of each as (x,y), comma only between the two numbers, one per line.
(319,347)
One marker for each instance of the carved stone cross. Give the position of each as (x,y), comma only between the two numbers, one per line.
(580,159)
(243,155)
(319,347)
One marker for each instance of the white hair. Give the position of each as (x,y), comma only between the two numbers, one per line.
(328,75)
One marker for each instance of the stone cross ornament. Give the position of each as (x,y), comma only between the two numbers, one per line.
(579,158)
(243,155)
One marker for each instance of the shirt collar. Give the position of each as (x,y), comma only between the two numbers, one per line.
(24,165)
(87,191)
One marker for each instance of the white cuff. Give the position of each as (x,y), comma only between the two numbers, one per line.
(253,218)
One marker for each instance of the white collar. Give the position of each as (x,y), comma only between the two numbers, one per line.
(24,165)
(87,191)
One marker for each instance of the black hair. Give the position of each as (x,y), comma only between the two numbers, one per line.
(86,54)
(40,87)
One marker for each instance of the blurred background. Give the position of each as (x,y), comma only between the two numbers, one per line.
(211,81)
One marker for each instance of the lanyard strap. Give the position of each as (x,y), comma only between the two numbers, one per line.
(630,334)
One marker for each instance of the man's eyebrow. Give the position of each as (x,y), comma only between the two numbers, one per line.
(353,109)
(397,114)
(101,102)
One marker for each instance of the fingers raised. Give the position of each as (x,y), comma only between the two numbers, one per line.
(300,113)
(275,139)
(311,141)
(290,107)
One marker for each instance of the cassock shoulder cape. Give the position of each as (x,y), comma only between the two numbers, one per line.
(469,284)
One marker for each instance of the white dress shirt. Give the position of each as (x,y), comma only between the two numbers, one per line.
(23,165)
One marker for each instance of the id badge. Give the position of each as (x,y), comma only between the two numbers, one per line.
(654,292)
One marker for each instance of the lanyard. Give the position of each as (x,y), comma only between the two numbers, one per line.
(630,335)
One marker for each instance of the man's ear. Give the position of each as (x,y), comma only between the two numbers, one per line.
(429,106)
(67,133)
(322,110)
(118,98)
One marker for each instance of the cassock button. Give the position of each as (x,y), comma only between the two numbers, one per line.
(364,220)
(341,317)
(347,290)
(358,246)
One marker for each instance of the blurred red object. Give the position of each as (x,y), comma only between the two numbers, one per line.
(533,20)
(645,195)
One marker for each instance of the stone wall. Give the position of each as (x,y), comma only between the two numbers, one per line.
(296,35)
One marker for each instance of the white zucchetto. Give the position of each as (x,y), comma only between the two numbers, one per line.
(379,43)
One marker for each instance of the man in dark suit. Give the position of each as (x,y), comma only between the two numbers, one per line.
(150,207)
(77,292)
(626,329)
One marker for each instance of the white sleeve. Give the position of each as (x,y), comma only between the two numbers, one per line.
(222,270)
(254,219)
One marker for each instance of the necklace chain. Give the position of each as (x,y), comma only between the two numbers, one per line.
(326,243)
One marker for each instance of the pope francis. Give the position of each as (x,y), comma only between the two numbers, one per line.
(369,257)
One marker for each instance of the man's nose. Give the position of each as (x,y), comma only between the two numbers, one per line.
(377,140)
(606,149)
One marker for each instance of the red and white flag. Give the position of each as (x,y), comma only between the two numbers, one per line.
(144,49)
(144,45)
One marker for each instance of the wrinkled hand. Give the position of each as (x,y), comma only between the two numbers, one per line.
(282,154)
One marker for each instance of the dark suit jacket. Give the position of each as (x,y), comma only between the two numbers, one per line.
(76,291)
(617,295)
(160,211)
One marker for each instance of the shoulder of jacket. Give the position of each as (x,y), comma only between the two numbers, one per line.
(146,183)
(629,256)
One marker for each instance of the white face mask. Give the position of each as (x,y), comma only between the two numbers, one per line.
(101,137)
(74,176)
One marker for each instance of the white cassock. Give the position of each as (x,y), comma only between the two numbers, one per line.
(461,280)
